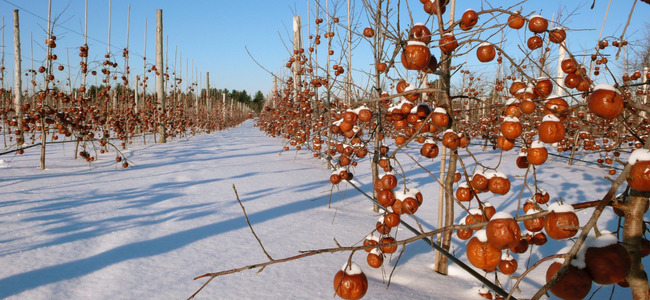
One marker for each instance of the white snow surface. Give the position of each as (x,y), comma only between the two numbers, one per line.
(98,231)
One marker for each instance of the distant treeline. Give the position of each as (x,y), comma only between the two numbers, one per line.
(254,103)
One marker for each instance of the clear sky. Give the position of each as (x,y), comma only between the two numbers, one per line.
(212,36)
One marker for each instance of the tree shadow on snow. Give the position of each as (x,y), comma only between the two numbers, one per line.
(18,283)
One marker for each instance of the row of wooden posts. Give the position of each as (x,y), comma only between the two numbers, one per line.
(228,106)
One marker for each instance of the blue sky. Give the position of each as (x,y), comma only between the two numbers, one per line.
(212,36)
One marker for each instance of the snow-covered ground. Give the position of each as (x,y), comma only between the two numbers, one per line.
(97,231)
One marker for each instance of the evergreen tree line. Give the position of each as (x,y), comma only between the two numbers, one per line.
(242,96)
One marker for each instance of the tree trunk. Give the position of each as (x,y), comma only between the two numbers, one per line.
(441,207)
(632,236)
(443,262)
(47,85)
(378,53)
(445,99)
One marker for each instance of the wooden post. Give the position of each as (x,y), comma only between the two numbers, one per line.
(109,28)
(329,48)
(126,58)
(31,53)
(112,93)
(144,64)
(186,80)
(2,63)
(18,92)
(348,78)
(315,63)
(177,90)
(67,57)
(645,92)
(600,35)
(297,44)
(223,110)
(2,75)
(127,73)
(166,64)
(160,85)
(275,91)
(193,91)
(85,59)
(136,90)
(467,106)
(171,96)
(208,103)
(559,80)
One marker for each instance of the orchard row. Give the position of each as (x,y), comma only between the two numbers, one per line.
(527,110)
(105,116)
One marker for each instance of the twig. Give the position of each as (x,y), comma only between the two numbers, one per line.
(249,223)
(537,264)
(260,65)
(424,237)
(611,194)
(390,276)
(260,265)
(418,236)
(625,28)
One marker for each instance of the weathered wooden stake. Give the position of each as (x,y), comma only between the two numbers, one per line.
(18,92)
(84,75)
(144,63)
(645,90)
(208,102)
(348,78)
(126,58)
(160,84)
(297,44)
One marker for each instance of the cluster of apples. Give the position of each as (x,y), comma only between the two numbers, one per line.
(87,119)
